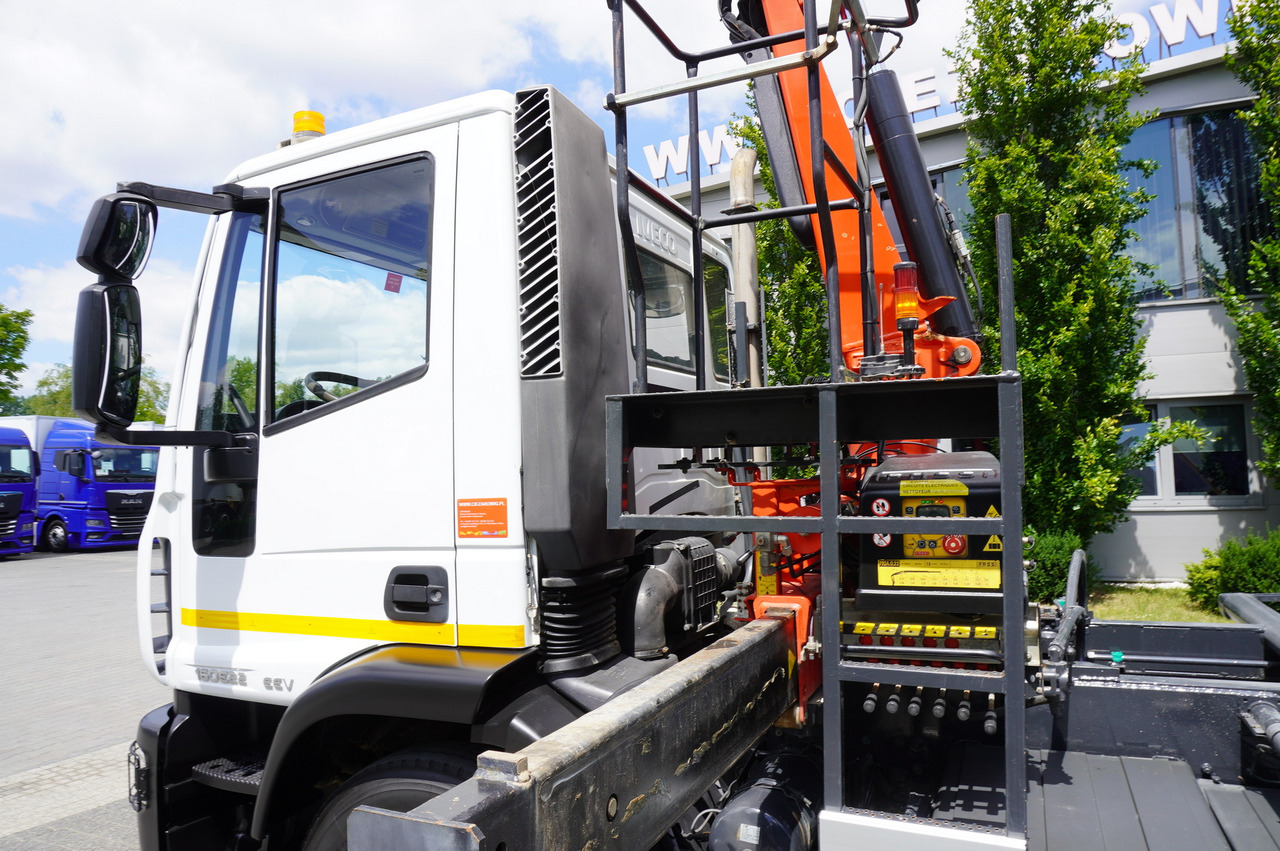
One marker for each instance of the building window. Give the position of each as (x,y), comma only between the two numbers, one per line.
(1133,432)
(1205,209)
(948,184)
(1215,472)
(1220,465)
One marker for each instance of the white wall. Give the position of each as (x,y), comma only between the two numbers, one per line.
(1192,356)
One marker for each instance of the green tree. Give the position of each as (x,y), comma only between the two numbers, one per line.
(242,372)
(1047,126)
(14,338)
(153,398)
(53,395)
(14,407)
(1255,24)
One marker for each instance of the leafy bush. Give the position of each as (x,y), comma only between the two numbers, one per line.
(1204,580)
(1052,554)
(1251,566)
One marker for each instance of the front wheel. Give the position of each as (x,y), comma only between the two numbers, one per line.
(399,782)
(54,536)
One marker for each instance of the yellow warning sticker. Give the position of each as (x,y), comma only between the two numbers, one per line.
(938,573)
(934,487)
(991,512)
(994,545)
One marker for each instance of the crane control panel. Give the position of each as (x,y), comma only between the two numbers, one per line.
(924,591)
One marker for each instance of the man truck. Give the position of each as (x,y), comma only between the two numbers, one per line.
(17,492)
(590,613)
(91,494)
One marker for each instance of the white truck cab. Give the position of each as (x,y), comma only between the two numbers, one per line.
(380,511)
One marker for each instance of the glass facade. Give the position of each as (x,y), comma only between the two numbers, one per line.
(1205,209)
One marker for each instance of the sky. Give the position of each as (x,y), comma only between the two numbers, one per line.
(177,94)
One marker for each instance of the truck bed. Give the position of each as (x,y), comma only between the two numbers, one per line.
(1079,800)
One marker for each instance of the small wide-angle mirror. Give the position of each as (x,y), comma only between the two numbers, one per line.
(75,465)
(107,370)
(117,237)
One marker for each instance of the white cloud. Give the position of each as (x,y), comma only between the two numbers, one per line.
(353,327)
(178,93)
(51,293)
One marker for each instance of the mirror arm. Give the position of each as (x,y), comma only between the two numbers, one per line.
(223,199)
(125,437)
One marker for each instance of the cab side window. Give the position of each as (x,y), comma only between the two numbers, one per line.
(351,283)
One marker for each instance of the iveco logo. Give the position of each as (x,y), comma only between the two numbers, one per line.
(649,231)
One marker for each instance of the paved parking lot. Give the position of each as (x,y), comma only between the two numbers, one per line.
(74,688)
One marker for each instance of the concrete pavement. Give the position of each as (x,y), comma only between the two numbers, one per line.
(72,690)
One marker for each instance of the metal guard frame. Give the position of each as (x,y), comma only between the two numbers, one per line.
(826,415)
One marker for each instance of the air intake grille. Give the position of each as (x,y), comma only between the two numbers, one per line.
(537,237)
(701,588)
(580,620)
(128,522)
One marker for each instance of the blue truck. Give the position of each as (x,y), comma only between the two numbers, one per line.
(17,492)
(90,494)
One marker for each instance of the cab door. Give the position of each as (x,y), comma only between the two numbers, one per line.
(343,539)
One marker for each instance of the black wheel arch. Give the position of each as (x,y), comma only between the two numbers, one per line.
(486,696)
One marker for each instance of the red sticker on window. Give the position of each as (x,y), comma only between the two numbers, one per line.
(393,282)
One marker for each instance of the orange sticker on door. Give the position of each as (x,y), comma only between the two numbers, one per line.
(482,518)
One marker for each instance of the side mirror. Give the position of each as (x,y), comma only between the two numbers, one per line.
(75,465)
(106,373)
(117,237)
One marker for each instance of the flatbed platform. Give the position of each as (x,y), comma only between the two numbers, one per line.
(1078,800)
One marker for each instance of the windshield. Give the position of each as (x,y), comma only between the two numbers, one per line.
(130,465)
(15,463)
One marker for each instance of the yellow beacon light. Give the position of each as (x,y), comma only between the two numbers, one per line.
(306,121)
(906,292)
(306,125)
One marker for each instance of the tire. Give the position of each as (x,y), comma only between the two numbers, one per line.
(53,536)
(399,782)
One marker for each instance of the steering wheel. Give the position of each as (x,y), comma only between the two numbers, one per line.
(237,402)
(313,379)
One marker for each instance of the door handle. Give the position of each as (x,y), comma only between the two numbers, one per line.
(417,593)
